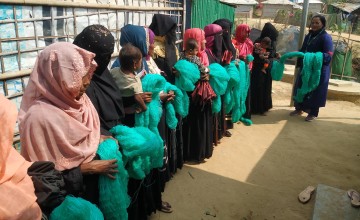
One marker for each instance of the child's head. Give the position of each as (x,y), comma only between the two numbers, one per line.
(265,42)
(130,57)
(191,47)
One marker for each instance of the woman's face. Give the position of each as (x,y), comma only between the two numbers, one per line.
(85,84)
(151,50)
(203,44)
(316,24)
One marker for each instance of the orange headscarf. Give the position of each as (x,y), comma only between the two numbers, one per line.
(54,125)
(17,200)
(199,36)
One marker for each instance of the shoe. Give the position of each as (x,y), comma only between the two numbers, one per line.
(296,112)
(305,195)
(310,118)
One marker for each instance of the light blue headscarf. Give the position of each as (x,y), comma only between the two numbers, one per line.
(137,36)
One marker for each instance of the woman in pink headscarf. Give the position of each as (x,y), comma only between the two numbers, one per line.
(197,132)
(17,200)
(213,37)
(244,46)
(57,120)
(199,36)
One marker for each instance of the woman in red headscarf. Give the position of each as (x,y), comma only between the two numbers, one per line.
(197,132)
(244,46)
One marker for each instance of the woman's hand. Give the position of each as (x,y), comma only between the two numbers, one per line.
(146,96)
(104,137)
(277,56)
(205,77)
(167,97)
(105,167)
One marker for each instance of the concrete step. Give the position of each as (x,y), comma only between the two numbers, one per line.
(333,204)
(339,83)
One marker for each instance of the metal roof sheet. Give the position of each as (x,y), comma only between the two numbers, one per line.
(239,2)
(348,7)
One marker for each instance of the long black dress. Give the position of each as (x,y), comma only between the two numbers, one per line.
(261,84)
(164,25)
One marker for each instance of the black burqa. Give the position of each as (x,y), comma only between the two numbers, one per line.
(164,25)
(261,84)
(102,91)
(226,25)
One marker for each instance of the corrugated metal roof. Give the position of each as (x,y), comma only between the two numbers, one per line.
(348,7)
(310,2)
(239,2)
(281,2)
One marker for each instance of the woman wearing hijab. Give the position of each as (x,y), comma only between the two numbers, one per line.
(261,83)
(70,135)
(198,140)
(165,51)
(226,25)
(17,200)
(318,40)
(165,55)
(102,91)
(228,54)
(213,37)
(244,46)
(145,194)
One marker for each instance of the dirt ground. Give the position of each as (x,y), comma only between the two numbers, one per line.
(259,171)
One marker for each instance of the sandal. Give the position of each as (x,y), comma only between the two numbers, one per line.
(227,133)
(296,112)
(355,197)
(165,207)
(166,204)
(305,195)
(310,118)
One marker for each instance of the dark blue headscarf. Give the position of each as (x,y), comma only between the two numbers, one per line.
(136,35)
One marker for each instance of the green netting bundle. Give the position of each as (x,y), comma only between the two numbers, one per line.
(189,74)
(142,149)
(219,81)
(76,208)
(243,88)
(310,75)
(113,197)
(151,83)
(174,106)
(277,69)
(231,94)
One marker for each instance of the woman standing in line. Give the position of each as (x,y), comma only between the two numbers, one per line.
(213,37)
(198,141)
(165,54)
(228,54)
(318,40)
(244,46)
(261,83)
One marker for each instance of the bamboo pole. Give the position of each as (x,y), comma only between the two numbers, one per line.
(56,3)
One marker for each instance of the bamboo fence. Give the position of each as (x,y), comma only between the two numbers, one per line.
(29,36)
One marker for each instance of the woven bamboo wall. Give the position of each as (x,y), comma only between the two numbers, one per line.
(25,29)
